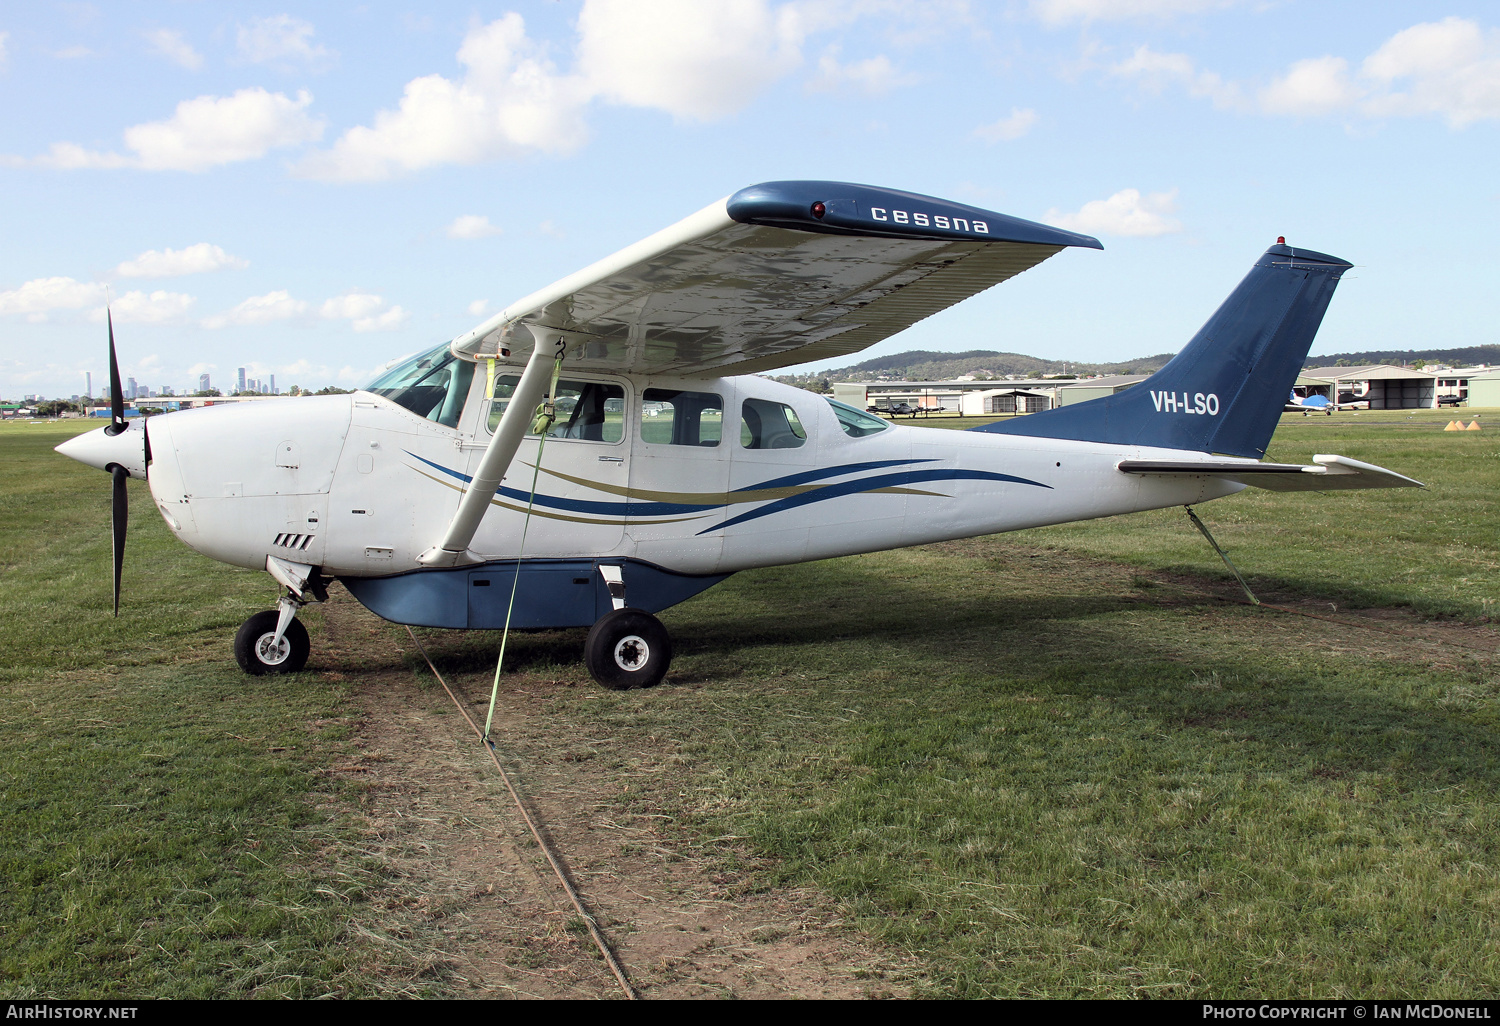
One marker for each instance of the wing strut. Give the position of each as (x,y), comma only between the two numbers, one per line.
(453,550)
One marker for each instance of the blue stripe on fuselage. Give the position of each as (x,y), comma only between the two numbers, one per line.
(866,484)
(818,475)
(833,491)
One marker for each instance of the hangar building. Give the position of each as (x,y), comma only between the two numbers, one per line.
(1484,388)
(1382,385)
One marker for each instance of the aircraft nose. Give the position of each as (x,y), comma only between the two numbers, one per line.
(101,450)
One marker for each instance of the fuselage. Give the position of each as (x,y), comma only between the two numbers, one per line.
(360,486)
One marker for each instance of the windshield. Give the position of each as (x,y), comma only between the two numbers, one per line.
(433,384)
(855,423)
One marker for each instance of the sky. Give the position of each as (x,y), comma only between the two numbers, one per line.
(311,190)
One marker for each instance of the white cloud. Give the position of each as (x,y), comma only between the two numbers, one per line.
(387,321)
(138,307)
(1064,12)
(72,53)
(40,295)
(279,38)
(472,226)
(479,307)
(873,76)
(214,130)
(169,263)
(1450,68)
(71,156)
(365,312)
(696,61)
(205,132)
(170,44)
(273,306)
(1319,85)
(510,101)
(1154,71)
(1127,212)
(1008,129)
(351,305)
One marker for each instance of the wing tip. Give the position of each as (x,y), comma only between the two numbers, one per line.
(846,208)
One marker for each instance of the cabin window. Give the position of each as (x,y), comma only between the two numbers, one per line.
(856,423)
(591,410)
(673,417)
(433,384)
(768,425)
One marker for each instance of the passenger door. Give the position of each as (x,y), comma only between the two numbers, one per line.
(772,464)
(679,476)
(580,503)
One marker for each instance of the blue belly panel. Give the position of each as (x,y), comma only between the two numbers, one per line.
(553,593)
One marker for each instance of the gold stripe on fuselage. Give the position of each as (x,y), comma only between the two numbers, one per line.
(549,515)
(718,498)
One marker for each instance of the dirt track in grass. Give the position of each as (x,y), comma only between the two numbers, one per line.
(472,893)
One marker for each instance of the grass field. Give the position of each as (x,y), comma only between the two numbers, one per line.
(1047,763)
(164,828)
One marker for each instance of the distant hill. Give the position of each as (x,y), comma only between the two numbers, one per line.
(924,365)
(1470,357)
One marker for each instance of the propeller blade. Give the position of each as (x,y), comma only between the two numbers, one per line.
(121,512)
(116,400)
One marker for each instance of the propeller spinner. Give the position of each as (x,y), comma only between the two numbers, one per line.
(122,449)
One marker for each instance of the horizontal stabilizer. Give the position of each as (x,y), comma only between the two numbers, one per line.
(1327,473)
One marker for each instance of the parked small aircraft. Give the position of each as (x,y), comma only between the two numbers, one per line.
(439,497)
(1319,404)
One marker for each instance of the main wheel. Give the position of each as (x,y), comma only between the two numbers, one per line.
(628,648)
(257,656)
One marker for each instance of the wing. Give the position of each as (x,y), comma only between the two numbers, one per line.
(1327,474)
(775,275)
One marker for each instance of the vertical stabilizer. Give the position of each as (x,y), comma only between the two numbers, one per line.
(1225,391)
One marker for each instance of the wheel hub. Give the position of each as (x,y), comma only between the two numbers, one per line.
(632,652)
(272,654)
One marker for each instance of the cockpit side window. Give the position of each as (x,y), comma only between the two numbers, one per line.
(856,423)
(433,384)
(591,410)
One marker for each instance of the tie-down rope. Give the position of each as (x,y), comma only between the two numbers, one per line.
(558,869)
(541,423)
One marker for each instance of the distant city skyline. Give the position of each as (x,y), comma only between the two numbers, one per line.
(131,389)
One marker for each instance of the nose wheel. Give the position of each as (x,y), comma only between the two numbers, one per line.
(628,648)
(259,650)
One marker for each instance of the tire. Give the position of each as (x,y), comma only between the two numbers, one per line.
(628,648)
(249,652)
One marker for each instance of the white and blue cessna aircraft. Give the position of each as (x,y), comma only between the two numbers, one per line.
(670,464)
